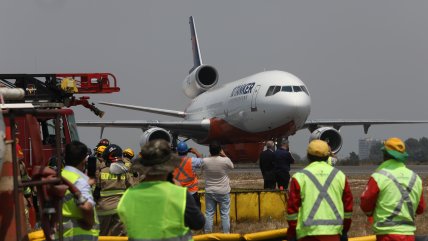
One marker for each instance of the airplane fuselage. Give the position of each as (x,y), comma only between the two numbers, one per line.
(258,107)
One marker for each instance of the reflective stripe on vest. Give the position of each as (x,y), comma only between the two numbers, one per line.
(186,237)
(108,193)
(69,223)
(109,176)
(405,198)
(167,223)
(182,171)
(185,175)
(71,213)
(323,195)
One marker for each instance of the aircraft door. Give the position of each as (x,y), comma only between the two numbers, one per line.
(254,98)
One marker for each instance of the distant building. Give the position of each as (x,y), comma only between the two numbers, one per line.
(364,146)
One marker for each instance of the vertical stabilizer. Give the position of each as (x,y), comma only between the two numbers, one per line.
(197,60)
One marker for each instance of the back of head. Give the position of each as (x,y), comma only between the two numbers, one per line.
(395,148)
(158,159)
(270,144)
(75,153)
(215,148)
(182,148)
(284,143)
(318,150)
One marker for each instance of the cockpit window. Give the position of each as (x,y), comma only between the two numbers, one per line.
(270,90)
(304,89)
(286,89)
(273,90)
(297,89)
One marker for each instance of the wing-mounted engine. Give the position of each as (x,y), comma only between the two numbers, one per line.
(201,79)
(330,135)
(155,133)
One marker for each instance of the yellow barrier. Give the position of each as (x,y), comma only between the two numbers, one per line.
(254,205)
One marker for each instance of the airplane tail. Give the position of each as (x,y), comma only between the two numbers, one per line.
(197,60)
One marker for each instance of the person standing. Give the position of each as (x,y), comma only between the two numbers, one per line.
(266,161)
(283,160)
(320,200)
(80,220)
(394,195)
(112,182)
(217,187)
(156,209)
(185,172)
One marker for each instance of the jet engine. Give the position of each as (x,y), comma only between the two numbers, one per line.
(200,80)
(329,135)
(155,133)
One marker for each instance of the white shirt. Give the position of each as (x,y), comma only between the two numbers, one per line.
(215,170)
(82,184)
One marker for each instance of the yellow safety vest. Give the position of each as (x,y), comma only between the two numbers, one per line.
(322,210)
(71,214)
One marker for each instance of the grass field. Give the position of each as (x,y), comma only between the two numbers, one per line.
(360,227)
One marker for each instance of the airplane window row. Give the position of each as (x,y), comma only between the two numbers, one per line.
(275,89)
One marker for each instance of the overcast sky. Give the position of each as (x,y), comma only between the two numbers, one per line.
(359,59)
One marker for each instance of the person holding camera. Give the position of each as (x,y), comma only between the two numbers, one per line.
(185,172)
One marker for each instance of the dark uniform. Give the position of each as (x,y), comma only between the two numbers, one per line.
(283,159)
(267,159)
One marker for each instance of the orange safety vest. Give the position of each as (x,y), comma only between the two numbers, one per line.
(185,175)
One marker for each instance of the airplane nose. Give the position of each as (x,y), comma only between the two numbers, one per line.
(300,107)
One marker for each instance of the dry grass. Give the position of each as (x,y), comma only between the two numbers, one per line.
(360,227)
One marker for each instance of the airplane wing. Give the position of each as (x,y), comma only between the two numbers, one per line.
(190,129)
(174,113)
(337,124)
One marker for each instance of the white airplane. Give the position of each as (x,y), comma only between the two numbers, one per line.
(241,114)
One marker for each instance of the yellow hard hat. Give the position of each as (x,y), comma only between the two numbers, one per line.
(100,150)
(318,148)
(129,153)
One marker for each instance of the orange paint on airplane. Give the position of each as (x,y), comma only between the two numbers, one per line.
(241,146)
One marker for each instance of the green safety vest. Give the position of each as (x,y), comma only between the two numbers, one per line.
(154,211)
(321,191)
(400,190)
(71,214)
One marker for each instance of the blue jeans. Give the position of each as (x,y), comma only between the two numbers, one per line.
(211,201)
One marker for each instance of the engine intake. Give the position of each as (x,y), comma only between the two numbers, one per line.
(329,135)
(154,134)
(200,80)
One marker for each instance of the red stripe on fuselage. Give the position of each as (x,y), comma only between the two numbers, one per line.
(222,131)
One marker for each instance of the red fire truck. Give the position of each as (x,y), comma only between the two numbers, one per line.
(40,125)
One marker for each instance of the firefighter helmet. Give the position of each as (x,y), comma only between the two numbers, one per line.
(112,153)
(100,150)
(128,153)
(103,142)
